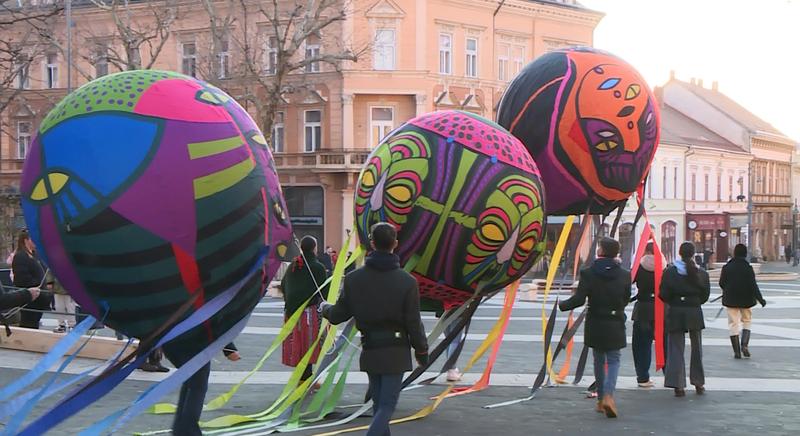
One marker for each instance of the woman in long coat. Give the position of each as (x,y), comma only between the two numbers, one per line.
(684,288)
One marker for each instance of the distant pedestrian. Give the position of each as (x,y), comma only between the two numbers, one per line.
(64,305)
(384,301)
(796,257)
(326,260)
(608,288)
(437,307)
(787,253)
(352,267)
(643,318)
(739,293)
(684,287)
(29,273)
(299,284)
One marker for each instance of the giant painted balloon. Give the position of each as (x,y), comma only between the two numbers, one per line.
(465,198)
(590,122)
(144,188)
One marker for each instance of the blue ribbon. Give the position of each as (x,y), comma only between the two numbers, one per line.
(11,407)
(78,400)
(57,352)
(151,395)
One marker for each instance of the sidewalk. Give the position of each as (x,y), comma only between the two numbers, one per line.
(779,267)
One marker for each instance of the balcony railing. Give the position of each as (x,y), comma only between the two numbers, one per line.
(323,161)
(11,166)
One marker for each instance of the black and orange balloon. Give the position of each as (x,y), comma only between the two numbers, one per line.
(590,122)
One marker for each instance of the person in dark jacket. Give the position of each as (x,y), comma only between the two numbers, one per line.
(28,273)
(384,300)
(608,289)
(739,293)
(300,283)
(787,253)
(326,260)
(643,317)
(684,287)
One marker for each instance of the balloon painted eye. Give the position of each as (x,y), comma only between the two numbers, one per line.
(400,193)
(608,84)
(605,133)
(368,179)
(57,182)
(259,139)
(526,245)
(493,232)
(649,119)
(606,145)
(633,92)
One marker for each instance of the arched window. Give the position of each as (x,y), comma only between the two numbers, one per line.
(668,234)
(626,244)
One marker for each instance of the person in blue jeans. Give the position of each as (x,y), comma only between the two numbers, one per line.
(384,301)
(607,286)
(643,317)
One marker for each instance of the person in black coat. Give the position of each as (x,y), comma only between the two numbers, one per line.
(28,273)
(739,293)
(644,317)
(384,300)
(684,288)
(608,289)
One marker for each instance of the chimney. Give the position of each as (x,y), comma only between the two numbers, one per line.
(700,82)
(692,81)
(671,74)
(715,86)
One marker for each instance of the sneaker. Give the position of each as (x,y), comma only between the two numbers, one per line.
(646,384)
(453,375)
(60,329)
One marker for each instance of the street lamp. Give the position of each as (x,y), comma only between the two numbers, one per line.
(795,214)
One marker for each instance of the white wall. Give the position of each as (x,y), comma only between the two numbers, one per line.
(701,111)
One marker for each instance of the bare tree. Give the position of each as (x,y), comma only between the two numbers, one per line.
(24,31)
(272,57)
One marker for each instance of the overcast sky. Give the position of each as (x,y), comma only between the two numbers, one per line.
(752,48)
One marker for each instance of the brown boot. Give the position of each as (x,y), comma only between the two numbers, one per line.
(609,406)
(599,406)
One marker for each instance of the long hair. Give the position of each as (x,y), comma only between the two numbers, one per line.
(686,251)
(21,246)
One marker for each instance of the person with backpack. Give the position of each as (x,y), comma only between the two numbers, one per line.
(684,288)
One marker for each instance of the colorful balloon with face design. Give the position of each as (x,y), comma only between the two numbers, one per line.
(465,197)
(145,188)
(591,123)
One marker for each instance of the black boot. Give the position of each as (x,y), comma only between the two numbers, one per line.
(737,352)
(745,342)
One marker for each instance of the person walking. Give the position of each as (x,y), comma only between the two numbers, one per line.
(796,260)
(684,288)
(28,273)
(739,293)
(643,317)
(384,301)
(299,284)
(787,253)
(437,307)
(607,286)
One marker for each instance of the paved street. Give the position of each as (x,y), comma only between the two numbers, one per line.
(758,395)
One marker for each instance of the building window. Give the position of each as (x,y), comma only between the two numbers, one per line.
(306,207)
(23,73)
(519,59)
(650,184)
(694,187)
(502,62)
(730,188)
(189,59)
(271,62)
(664,182)
(278,132)
(445,53)
(668,235)
(705,189)
(719,187)
(23,138)
(223,59)
(312,51)
(381,122)
(472,57)
(675,182)
(313,130)
(51,71)
(384,54)
(100,61)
